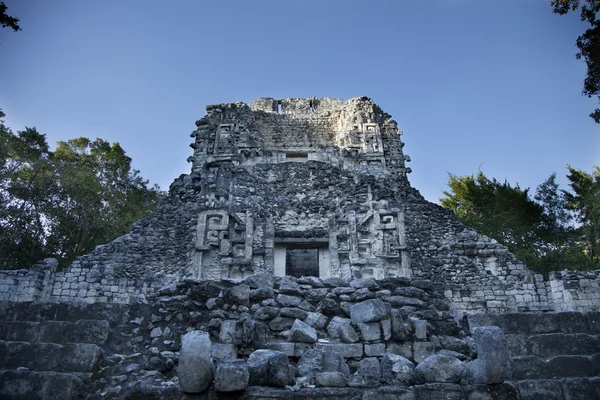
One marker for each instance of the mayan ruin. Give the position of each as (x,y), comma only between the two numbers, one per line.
(296,261)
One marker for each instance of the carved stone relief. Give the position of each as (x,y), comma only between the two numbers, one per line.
(223,239)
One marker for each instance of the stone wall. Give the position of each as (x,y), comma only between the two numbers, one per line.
(293,338)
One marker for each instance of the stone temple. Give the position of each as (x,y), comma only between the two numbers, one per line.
(297,233)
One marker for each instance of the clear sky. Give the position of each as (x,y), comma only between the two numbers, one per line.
(491,85)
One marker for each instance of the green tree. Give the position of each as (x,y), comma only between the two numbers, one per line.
(588,43)
(584,201)
(498,210)
(6,20)
(64,203)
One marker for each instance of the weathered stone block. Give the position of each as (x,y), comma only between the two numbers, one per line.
(346,350)
(288,348)
(224,351)
(231,376)
(195,365)
(540,389)
(331,379)
(396,369)
(301,332)
(238,294)
(286,300)
(372,310)
(370,332)
(374,349)
(440,391)
(292,312)
(422,350)
(440,368)
(370,367)
(493,364)
(268,368)
(79,357)
(341,328)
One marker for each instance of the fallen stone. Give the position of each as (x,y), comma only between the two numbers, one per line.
(195,366)
(440,368)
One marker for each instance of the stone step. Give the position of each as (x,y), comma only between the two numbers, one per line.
(28,311)
(553,344)
(81,331)
(532,324)
(19,385)
(71,357)
(559,389)
(532,367)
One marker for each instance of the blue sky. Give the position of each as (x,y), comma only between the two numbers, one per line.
(491,85)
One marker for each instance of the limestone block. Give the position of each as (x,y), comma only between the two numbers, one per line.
(265,313)
(330,379)
(420,328)
(370,332)
(301,332)
(227,333)
(195,366)
(288,348)
(347,350)
(321,360)
(374,349)
(231,376)
(224,351)
(422,350)
(493,364)
(370,367)
(440,368)
(281,323)
(238,294)
(315,319)
(293,312)
(341,328)
(288,286)
(540,388)
(367,283)
(80,357)
(396,369)
(371,310)
(268,368)
(286,300)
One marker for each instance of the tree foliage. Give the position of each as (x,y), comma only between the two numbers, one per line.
(6,20)
(555,229)
(496,209)
(63,203)
(588,43)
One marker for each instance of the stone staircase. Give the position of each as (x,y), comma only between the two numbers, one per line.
(48,351)
(554,355)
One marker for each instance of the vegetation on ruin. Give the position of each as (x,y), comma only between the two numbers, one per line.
(6,21)
(588,43)
(63,203)
(553,229)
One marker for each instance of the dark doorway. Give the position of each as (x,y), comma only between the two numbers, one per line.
(302,262)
